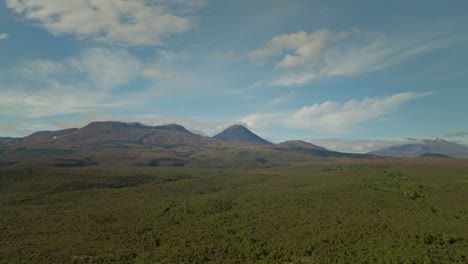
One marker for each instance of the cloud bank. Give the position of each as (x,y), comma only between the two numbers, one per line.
(360,145)
(128,23)
(332,116)
(457,134)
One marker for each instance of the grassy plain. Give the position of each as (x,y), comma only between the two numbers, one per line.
(326,211)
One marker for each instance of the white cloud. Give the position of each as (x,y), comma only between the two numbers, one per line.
(158,74)
(300,54)
(332,116)
(304,47)
(3,36)
(261,120)
(336,117)
(360,145)
(129,23)
(302,57)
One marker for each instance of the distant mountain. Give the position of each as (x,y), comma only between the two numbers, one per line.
(447,148)
(108,141)
(117,143)
(417,149)
(238,133)
(299,144)
(110,131)
(9,140)
(104,132)
(434,155)
(407,151)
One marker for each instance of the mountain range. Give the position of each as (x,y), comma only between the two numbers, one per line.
(118,143)
(425,147)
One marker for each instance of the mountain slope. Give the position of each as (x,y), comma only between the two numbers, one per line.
(238,133)
(434,155)
(437,146)
(299,144)
(47,136)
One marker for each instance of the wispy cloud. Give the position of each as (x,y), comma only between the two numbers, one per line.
(337,117)
(158,74)
(306,48)
(282,99)
(15,129)
(55,100)
(3,36)
(129,23)
(332,116)
(262,120)
(74,85)
(43,69)
(302,57)
(360,145)
(457,134)
(97,68)
(106,68)
(249,87)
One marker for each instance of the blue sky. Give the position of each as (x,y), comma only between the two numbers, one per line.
(297,69)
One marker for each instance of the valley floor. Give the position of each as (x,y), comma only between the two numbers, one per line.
(329,211)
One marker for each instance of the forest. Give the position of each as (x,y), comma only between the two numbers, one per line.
(323,211)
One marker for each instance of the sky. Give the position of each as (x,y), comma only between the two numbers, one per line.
(365,72)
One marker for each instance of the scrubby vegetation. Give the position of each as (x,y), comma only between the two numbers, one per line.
(338,211)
